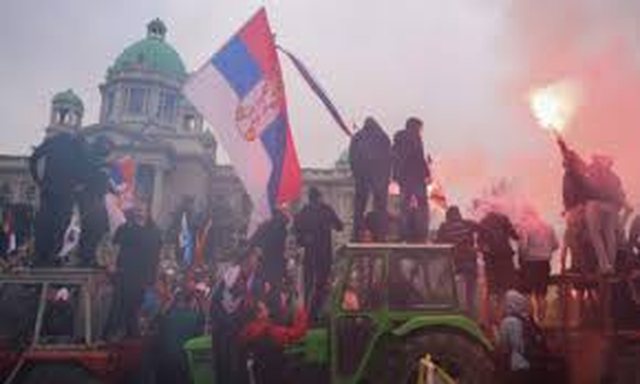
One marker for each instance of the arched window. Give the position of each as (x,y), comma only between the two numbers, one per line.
(62,116)
(167,106)
(189,123)
(136,100)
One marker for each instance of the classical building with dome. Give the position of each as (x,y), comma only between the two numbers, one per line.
(145,115)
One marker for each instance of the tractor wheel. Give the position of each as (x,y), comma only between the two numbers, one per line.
(464,360)
(58,374)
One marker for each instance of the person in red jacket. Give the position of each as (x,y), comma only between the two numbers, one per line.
(264,341)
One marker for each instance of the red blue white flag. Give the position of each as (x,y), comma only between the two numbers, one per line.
(240,92)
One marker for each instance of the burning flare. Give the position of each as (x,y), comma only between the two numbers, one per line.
(555,105)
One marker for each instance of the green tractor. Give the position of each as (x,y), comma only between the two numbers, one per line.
(392,307)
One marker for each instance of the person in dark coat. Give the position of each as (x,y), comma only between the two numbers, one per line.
(94,221)
(313,225)
(462,234)
(411,172)
(496,232)
(62,156)
(140,242)
(271,238)
(370,160)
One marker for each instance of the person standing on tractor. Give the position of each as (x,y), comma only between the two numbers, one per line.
(462,234)
(60,158)
(537,244)
(94,221)
(370,158)
(139,241)
(313,225)
(411,172)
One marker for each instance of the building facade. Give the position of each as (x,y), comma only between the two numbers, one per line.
(145,115)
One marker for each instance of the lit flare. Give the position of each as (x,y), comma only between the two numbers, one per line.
(555,105)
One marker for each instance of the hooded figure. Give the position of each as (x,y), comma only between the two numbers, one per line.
(411,171)
(522,343)
(370,160)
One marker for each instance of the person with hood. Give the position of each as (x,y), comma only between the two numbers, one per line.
(55,167)
(462,234)
(602,211)
(411,171)
(537,244)
(313,226)
(370,158)
(521,344)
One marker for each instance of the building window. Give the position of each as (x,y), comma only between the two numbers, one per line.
(145,177)
(136,100)
(110,99)
(189,124)
(167,106)
(62,116)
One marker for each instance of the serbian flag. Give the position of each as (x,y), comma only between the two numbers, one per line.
(239,91)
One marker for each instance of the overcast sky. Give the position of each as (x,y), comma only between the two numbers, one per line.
(439,60)
(453,63)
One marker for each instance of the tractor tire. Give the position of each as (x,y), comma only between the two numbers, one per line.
(466,361)
(58,374)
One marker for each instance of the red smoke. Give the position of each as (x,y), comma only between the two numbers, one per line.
(592,43)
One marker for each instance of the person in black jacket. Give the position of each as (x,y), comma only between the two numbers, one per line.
(313,225)
(140,242)
(411,172)
(271,238)
(370,160)
(62,156)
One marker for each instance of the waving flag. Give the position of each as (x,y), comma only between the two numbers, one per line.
(240,92)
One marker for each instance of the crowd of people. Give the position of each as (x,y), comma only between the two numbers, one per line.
(253,307)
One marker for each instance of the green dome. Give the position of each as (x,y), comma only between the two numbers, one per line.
(68,97)
(151,53)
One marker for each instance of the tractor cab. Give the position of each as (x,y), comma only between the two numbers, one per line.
(394,303)
(51,322)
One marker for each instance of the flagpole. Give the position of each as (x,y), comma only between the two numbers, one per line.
(317,89)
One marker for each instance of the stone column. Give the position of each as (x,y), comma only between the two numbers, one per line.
(158,184)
